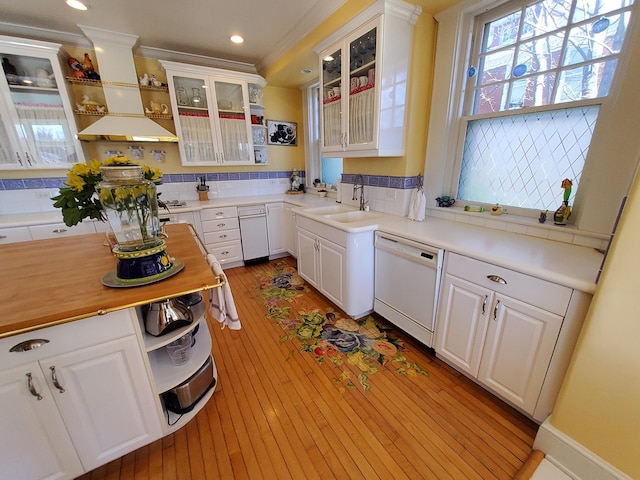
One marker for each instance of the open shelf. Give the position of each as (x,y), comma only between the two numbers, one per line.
(166,374)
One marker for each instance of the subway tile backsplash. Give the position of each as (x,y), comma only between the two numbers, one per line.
(383,193)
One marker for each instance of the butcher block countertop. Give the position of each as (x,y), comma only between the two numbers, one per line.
(48,282)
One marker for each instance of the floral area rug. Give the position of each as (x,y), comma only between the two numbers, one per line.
(366,345)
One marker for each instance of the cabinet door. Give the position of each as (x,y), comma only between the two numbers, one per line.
(37,110)
(191,100)
(276,228)
(290,231)
(519,343)
(107,404)
(332,132)
(308,257)
(462,323)
(34,443)
(232,108)
(361,87)
(332,271)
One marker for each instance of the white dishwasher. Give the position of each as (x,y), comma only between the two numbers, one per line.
(407,281)
(253,233)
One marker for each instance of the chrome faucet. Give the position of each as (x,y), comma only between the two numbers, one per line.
(358,184)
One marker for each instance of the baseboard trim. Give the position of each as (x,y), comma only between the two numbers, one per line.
(572,458)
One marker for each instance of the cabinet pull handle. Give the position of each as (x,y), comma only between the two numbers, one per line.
(226,252)
(54,379)
(28,345)
(26,155)
(484,304)
(32,389)
(223,236)
(495,310)
(2,237)
(497,279)
(59,230)
(222,224)
(220,214)
(19,159)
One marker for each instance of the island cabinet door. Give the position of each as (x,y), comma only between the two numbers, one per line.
(105,398)
(34,442)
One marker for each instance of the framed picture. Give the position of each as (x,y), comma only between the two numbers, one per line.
(280,132)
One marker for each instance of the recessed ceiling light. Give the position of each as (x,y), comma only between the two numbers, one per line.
(237,39)
(306,71)
(77,4)
(328,58)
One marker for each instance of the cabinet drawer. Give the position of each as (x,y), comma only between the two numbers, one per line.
(17,234)
(324,231)
(220,212)
(534,291)
(55,230)
(220,224)
(67,337)
(226,252)
(222,236)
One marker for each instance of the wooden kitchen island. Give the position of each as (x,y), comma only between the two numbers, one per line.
(48,282)
(88,388)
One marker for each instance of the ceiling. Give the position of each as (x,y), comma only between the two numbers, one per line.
(198,27)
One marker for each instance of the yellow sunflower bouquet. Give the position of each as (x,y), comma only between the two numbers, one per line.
(78,200)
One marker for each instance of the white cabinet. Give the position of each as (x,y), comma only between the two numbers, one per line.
(290,230)
(500,327)
(221,229)
(84,394)
(14,234)
(35,110)
(276,229)
(212,114)
(35,443)
(338,264)
(107,401)
(364,77)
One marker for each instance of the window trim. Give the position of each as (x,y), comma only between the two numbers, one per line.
(454,43)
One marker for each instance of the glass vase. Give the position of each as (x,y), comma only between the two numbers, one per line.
(130,204)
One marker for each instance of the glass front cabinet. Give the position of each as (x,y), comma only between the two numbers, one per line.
(364,76)
(35,110)
(213,115)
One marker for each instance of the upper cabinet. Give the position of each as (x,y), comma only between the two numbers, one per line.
(213,111)
(364,69)
(35,110)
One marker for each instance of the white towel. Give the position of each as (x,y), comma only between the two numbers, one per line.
(221,303)
(417,205)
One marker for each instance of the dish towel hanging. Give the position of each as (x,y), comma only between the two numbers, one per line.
(417,205)
(221,303)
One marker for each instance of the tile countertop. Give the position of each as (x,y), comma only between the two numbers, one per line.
(570,265)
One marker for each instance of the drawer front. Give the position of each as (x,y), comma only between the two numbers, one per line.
(67,337)
(55,230)
(226,252)
(534,291)
(17,234)
(324,231)
(220,224)
(217,213)
(222,236)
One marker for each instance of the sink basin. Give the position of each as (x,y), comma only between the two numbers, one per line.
(353,216)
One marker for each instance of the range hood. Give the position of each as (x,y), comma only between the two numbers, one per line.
(125,120)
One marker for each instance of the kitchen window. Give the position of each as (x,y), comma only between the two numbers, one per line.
(536,77)
(327,170)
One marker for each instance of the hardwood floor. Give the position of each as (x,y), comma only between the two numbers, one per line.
(279,413)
